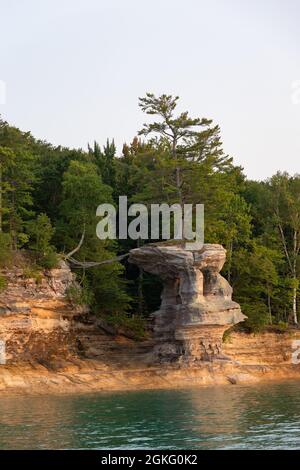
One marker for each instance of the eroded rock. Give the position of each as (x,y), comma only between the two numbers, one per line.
(196,301)
(35,316)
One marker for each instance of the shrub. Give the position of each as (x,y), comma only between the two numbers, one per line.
(282,325)
(135,324)
(227,335)
(32,272)
(79,295)
(49,260)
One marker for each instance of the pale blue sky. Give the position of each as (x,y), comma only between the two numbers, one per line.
(74,70)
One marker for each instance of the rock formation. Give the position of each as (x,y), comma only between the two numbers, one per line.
(48,345)
(196,304)
(39,323)
(35,317)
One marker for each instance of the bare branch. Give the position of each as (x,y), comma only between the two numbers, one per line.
(68,256)
(92,264)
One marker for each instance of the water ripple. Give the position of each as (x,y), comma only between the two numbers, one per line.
(237,417)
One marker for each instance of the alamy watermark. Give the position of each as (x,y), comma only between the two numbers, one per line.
(295,92)
(2,352)
(158,221)
(296,351)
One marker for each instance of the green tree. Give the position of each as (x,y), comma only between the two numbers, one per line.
(83,191)
(17,177)
(187,140)
(6,159)
(256,281)
(41,232)
(285,203)
(105,161)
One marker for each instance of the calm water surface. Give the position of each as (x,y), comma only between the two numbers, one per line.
(232,417)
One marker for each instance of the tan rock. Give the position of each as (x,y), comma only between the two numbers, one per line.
(196,302)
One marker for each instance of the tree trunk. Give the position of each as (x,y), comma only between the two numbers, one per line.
(295,277)
(229,261)
(269,307)
(292,264)
(178,173)
(140,286)
(140,292)
(295,304)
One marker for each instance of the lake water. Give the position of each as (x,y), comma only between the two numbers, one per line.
(232,417)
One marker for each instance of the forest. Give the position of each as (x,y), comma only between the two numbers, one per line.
(49,195)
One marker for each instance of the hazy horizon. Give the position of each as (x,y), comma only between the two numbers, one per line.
(73,71)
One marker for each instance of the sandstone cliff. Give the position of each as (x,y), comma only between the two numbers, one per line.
(40,325)
(49,345)
(35,318)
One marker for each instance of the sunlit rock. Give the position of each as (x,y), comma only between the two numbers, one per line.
(196,301)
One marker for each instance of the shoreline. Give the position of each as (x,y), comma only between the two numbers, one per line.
(90,376)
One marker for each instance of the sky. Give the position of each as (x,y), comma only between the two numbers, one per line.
(71,71)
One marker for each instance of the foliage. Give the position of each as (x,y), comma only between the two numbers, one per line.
(135,324)
(49,260)
(40,232)
(5,248)
(257,314)
(33,272)
(83,190)
(79,295)
(49,196)
(282,326)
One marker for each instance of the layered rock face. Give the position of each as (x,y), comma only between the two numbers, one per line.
(35,317)
(196,305)
(40,325)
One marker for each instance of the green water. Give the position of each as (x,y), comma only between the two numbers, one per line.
(232,417)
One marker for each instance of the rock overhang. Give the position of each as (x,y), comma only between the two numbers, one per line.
(197,305)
